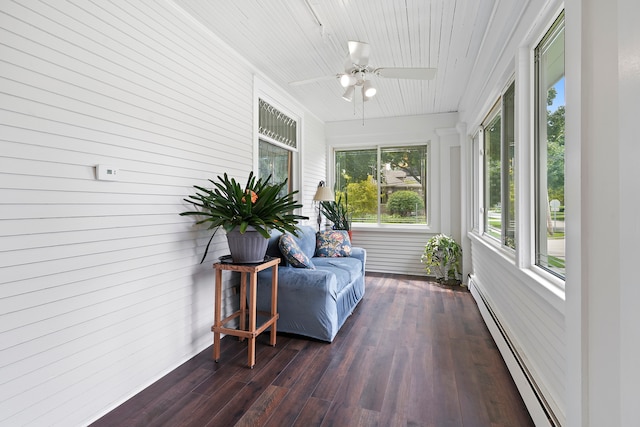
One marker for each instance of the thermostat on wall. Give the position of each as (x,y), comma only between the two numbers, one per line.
(107,173)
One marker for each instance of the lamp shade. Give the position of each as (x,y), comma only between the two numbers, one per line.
(324,194)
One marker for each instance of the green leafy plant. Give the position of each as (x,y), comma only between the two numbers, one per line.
(404,202)
(442,256)
(337,212)
(258,204)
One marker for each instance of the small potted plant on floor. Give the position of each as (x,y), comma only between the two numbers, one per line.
(442,256)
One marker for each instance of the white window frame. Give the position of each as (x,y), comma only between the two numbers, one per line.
(497,109)
(284,104)
(545,273)
(431,211)
(525,152)
(476,168)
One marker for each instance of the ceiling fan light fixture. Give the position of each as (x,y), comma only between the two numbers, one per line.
(347,80)
(366,98)
(348,94)
(368,90)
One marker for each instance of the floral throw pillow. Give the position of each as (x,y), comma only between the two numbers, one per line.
(333,243)
(293,253)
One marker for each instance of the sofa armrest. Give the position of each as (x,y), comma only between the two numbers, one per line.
(361,254)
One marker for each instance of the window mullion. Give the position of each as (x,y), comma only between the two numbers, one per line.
(504,196)
(481,182)
(379,183)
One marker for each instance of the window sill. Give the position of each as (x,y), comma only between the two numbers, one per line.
(546,279)
(507,253)
(546,285)
(395,228)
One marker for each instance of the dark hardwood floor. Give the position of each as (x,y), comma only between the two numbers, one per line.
(412,354)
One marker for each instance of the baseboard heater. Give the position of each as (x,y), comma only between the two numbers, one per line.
(538,406)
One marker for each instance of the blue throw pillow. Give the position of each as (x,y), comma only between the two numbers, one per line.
(293,253)
(333,243)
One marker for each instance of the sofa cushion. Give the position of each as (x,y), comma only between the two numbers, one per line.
(346,269)
(333,243)
(292,252)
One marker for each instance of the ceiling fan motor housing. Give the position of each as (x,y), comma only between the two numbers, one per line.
(354,76)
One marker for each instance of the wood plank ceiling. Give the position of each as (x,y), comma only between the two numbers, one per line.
(291,40)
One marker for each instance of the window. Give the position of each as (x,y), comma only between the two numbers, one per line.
(492,169)
(384,185)
(276,125)
(549,150)
(499,153)
(277,144)
(275,161)
(475,168)
(508,183)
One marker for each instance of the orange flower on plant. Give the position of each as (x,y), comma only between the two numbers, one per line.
(254,196)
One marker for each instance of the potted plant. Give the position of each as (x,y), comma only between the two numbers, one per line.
(442,256)
(337,212)
(252,210)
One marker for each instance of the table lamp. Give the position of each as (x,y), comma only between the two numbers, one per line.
(323,194)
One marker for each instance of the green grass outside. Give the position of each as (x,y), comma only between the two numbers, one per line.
(391,219)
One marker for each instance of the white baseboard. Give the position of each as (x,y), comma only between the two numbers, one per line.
(540,413)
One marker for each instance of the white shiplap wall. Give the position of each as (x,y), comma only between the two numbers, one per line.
(393,251)
(101,290)
(532,317)
(314,155)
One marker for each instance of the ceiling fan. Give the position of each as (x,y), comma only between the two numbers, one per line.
(357,72)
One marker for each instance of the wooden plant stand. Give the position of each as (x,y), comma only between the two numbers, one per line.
(253,330)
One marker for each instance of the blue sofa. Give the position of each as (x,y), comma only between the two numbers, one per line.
(313,303)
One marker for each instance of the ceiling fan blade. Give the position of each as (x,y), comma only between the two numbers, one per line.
(359,53)
(406,73)
(314,79)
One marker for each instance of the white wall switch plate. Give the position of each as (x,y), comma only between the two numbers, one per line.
(107,173)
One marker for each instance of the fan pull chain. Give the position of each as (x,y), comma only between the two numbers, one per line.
(362,109)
